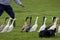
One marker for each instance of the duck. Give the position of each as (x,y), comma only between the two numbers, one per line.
(4,24)
(6,27)
(53,27)
(59,29)
(43,24)
(53,19)
(29,25)
(11,26)
(59,25)
(25,25)
(34,27)
(49,31)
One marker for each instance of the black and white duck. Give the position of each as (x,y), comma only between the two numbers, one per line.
(43,24)
(50,31)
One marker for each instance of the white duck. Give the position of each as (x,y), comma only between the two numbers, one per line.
(4,24)
(34,27)
(11,26)
(43,25)
(6,27)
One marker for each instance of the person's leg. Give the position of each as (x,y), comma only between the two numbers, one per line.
(1,9)
(10,12)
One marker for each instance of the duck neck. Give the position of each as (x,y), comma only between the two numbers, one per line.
(36,20)
(8,21)
(30,20)
(44,21)
(26,18)
(55,21)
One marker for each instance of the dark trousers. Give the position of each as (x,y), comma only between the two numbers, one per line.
(8,9)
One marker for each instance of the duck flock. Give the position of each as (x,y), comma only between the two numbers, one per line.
(44,30)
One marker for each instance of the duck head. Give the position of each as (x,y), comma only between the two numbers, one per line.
(53,19)
(26,18)
(44,19)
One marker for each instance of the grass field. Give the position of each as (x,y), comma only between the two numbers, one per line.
(40,8)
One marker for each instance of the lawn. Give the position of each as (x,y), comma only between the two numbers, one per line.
(34,8)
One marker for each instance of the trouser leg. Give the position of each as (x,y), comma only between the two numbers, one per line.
(10,12)
(1,12)
(1,9)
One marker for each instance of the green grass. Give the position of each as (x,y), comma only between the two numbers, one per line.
(40,8)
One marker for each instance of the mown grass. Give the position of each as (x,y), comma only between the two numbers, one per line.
(40,8)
